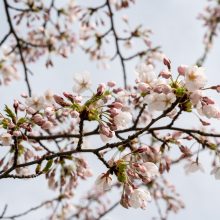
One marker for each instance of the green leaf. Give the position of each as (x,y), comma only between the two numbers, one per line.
(180,92)
(10,113)
(5,122)
(212,146)
(38,168)
(21,121)
(21,150)
(48,166)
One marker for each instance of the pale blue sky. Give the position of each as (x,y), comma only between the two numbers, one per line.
(176,28)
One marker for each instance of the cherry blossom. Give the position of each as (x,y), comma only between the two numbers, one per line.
(35,102)
(159,101)
(131,128)
(140,198)
(146,74)
(151,170)
(195,78)
(103,182)
(192,167)
(122,120)
(82,82)
(6,139)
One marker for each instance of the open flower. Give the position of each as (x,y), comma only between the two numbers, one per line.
(146,74)
(9,73)
(151,170)
(103,182)
(159,101)
(6,139)
(139,198)
(195,78)
(195,97)
(192,167)
(210,111)
(147,170)
(122,120)
(35,102)
(82,82)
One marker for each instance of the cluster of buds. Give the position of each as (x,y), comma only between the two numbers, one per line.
(129,172)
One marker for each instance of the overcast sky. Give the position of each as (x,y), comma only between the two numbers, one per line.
(180,34)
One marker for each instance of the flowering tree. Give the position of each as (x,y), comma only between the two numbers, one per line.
(134,127)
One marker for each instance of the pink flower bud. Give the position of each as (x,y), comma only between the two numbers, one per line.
(21,107)
(167,62)
(74,114)
(182,70)
(59,100)
(49,111)
(68,95)
(208,101)
(24,95)
(16,104)
(37,118)
(113,111)
(111,83)
(142,149)
(30,110)
(163,88)
(111,134)
(141,169)
(104,130)
(117,90)
(117,105)
(165,74)
(143,87)
(101,89)
(47,125)
(16,133)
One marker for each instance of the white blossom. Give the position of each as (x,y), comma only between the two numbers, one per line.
(210,111)
(122,120)
(146,73)
(139,198)
(216,173)
(35,102)
(103,182)
(8,73)
(71,11)
(195,97)
(195,78)
(6,139)
(158,56)
(159,101)
(122,97)
(48,95)
(82,82)
(151,170)
(193,167)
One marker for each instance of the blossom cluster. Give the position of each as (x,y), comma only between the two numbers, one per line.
(47,134)
(109,108)
(130,172)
